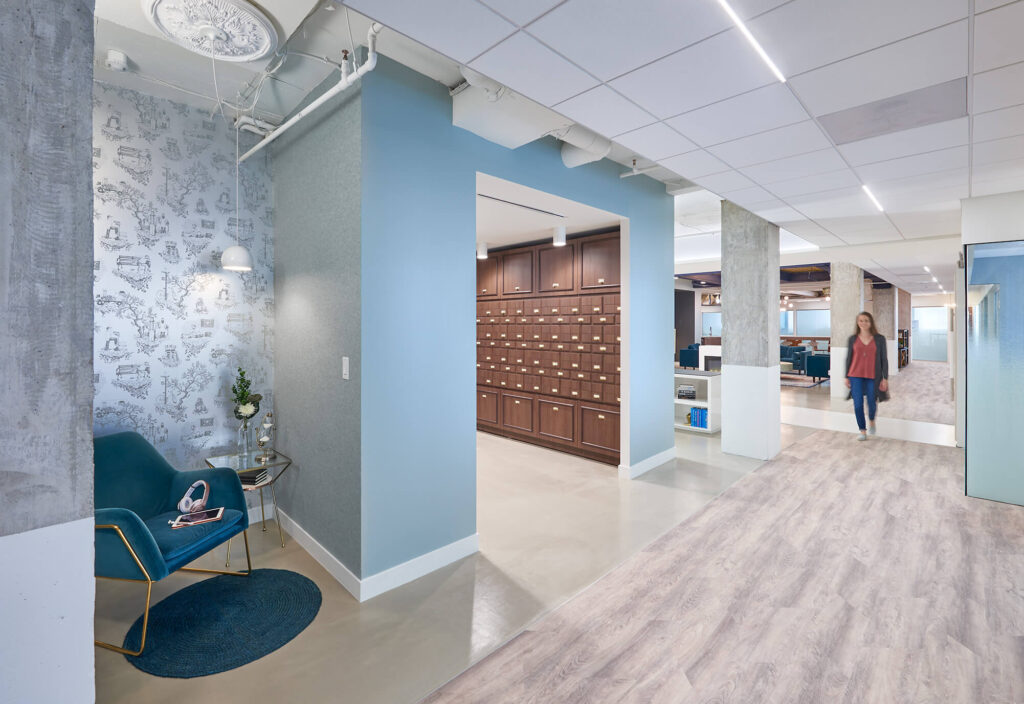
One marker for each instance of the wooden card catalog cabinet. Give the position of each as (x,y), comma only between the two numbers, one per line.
(557,311)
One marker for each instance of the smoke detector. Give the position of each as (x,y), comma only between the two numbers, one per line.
(228,30)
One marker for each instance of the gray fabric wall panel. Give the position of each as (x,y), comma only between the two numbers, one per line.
(317,190)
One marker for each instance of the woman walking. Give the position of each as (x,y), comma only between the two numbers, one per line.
(867,371)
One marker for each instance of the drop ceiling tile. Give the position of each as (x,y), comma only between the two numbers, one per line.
(917,62)
(834,205)
(942,135)
(928,224)
(604,111)
(747,197)
(788,242)
(883,234)
(1001,177)
(997,37)
(747,9)
(805,34)
(759,110)
(813,233)
(799,138)
(656,141)
(843,178)
(851,225)
(518,62)
(930,162)
(694,164)
(610,37)
(986,5)
(1000,88)
(777,212)
(997,124)
(795,167)
(430,23)
(922,192)
(715,69)
(725,181)
(521,12)
(997,150)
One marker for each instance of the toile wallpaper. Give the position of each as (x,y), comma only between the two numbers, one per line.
(170,326)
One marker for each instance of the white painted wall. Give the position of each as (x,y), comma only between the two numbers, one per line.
(751,411)
(47,596)
(998,218)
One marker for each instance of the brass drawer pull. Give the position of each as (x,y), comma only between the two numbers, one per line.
(554,285)
(517,403)
(555,409)
(483,395)
(600,281)
(517,288)
(600,417)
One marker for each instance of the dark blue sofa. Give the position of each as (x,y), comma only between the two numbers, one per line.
(690,357)
(818,365)
(795,355)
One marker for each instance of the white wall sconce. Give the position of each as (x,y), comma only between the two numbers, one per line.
(558,236)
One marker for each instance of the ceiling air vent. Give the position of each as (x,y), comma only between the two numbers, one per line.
(228,30)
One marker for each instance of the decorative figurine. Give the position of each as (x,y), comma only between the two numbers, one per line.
(265,439)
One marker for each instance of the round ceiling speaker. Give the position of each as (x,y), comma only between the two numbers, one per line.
(228,30)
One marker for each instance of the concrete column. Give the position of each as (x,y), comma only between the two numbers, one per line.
(47,529)
(847,301)
(869,302)
(885,304)
(750,334)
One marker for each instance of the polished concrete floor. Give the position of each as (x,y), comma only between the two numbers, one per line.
(921,408)
(839,572)
(550,525)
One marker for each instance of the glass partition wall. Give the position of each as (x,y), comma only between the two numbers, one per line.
(995,371)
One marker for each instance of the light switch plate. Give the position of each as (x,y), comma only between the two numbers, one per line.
(344,367)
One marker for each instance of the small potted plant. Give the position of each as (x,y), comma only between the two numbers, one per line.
(247,405)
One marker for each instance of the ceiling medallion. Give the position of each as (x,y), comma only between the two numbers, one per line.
(228,30)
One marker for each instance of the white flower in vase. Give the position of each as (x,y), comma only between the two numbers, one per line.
(246,410)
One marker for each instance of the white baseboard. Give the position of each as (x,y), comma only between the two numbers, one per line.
(418,566)
(333,565)
(376,584)
(635,470)
(256,517)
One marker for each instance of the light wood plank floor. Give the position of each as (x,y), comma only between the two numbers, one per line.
(839,572)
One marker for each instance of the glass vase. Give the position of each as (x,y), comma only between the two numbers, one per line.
(244,443)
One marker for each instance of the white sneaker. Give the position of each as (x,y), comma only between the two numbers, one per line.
(862,437)
(872,430)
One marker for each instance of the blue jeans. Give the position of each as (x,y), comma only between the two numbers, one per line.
(859,387)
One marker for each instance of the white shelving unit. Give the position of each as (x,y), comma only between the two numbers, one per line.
(709,395)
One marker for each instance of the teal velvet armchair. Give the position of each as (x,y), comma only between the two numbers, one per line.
(137,493)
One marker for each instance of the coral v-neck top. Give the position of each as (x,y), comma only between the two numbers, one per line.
(863,364)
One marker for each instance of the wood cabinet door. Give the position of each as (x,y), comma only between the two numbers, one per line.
(517,412)
(487,277)
(555,420)
(599,262)
(599,428)
(555,269)
(486,406)
(517,272)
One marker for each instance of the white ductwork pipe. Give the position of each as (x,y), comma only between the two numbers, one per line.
(254,125)
(343,82)
(582,146)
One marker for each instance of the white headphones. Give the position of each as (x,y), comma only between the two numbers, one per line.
(188,505)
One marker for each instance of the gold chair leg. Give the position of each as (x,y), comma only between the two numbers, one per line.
(248,559)
(145,624)
(277,516)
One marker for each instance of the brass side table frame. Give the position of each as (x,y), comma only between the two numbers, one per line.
(275,467)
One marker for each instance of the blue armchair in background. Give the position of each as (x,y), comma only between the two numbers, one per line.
(690,357)
(818,365)
(795,355)
(137,493)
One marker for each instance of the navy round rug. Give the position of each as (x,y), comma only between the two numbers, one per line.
(223,623)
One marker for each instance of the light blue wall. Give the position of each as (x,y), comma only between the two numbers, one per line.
(418,307)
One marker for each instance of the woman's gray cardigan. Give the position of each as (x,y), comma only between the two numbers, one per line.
(881,364)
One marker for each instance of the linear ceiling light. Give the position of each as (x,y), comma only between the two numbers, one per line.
(873,199)
(928,270)
(750,38)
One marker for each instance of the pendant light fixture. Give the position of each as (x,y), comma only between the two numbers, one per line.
(236,257)
(481,250)
(558,236)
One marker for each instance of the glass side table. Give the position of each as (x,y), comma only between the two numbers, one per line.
(276,466)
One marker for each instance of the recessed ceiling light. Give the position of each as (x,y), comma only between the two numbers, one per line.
(750,38)
(873,199)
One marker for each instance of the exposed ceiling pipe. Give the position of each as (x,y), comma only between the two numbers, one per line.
(637,172)
(582,146)
(254,125)
(344,82)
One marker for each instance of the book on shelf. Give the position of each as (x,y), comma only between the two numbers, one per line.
(254,476)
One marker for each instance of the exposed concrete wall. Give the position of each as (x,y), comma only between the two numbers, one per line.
(885,311)
(46,461)
(847,300)
(869,298)
(750,288)
(903,316)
